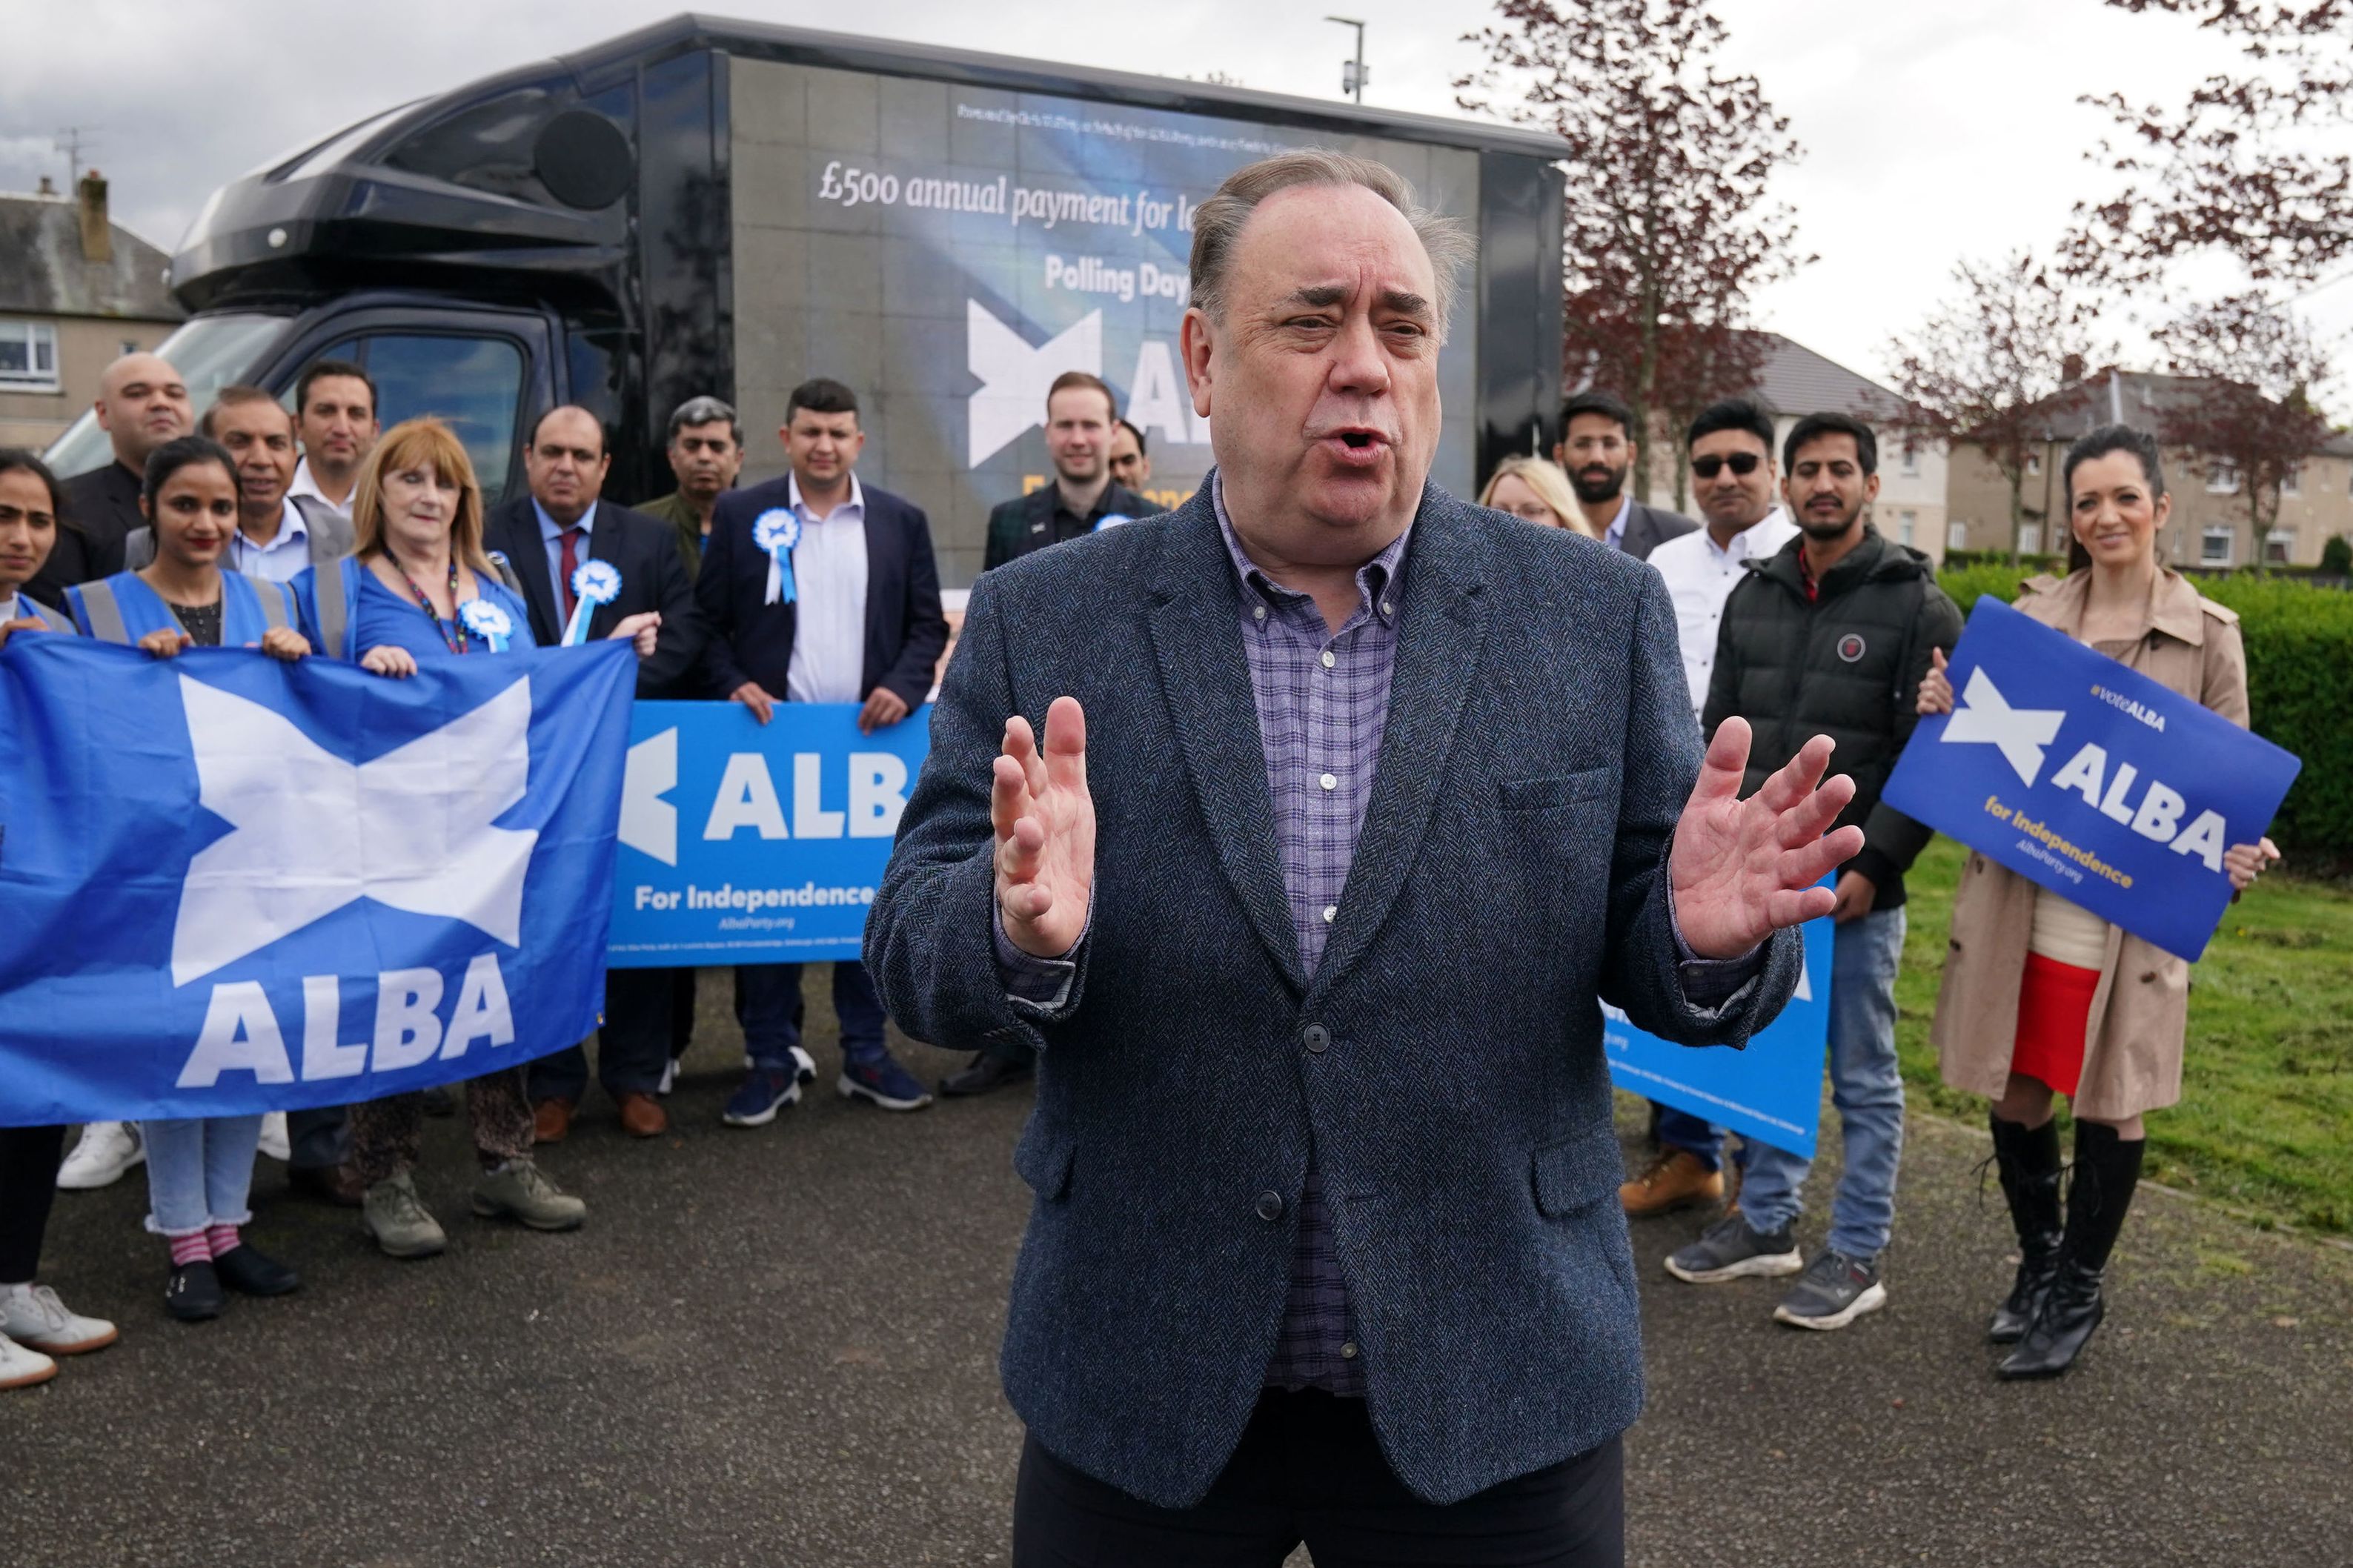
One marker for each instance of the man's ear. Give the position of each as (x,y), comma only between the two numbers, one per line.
(1193,345)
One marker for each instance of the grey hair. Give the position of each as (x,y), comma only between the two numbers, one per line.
(702,411)
(1217,222)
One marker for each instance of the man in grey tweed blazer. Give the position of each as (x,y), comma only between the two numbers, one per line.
(1387,795)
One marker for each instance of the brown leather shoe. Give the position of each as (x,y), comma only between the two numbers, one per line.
(1675,1179)
(642,1115)
(550,1120)
(337,1184)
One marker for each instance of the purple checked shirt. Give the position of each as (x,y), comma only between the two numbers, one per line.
(1323,700)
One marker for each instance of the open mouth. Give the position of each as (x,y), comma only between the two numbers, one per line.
(1355,446)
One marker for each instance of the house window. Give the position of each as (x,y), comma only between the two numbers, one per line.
(1956,534)
(1907,524)
(2277,545)
(1911,460)
(2217,545)
(2033,465)
(2222,479)
(2291,481)
(28,356)
(2030,539)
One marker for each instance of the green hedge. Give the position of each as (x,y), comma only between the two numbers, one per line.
(2299,647)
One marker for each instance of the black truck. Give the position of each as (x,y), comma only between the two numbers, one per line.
(714,206)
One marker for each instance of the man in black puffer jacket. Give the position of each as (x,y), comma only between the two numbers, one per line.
(1831,635)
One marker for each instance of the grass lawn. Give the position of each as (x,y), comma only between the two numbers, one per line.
(2266,1114)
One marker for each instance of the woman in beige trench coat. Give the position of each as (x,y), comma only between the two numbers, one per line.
(2040,997)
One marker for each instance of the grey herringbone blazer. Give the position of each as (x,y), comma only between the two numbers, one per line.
(1445,1059)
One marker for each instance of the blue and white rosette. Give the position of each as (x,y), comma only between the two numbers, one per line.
(1112,519)
(487,622)
(775,534)
(594,584)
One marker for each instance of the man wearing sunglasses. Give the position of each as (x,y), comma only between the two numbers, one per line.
(1731,447)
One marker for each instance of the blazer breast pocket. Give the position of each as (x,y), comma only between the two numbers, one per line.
(1556,789)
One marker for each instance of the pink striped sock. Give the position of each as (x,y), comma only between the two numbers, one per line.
(187,1249)
(223,1239)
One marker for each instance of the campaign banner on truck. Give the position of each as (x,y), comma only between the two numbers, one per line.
(233,885)
(744,843)
(1771,1090)
(2090,779)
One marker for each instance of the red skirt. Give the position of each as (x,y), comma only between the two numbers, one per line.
(2054,1009)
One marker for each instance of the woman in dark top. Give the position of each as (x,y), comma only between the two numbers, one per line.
(34,1325)
(418,588)
(199,1171)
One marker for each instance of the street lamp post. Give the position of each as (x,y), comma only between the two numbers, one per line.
(1353,74)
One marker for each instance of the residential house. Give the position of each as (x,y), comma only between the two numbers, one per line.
(76,291)
(2210,525)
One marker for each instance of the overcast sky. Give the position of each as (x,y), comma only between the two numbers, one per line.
(1934,129)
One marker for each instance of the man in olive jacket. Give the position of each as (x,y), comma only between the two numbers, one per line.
(1831,635)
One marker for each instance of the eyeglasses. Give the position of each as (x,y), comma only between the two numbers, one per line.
(1743,463)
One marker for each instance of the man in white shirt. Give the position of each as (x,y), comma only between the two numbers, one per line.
(278,535)
(1733,481)
(334,414)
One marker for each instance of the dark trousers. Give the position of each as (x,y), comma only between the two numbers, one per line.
(768,1006)
(317,1140)
(29,1157)
(682,1013)
(1309,1470)
(632,1045)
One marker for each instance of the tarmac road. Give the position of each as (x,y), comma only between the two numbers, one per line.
(778,1346)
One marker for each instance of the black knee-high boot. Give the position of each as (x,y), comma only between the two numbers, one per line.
(2107,1168)
(2028,1160)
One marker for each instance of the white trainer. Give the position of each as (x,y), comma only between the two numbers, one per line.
(105,1151)
(274,1141)
(32,1315)
(21,1367)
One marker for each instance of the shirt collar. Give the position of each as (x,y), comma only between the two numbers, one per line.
(856,502)
(1616,532)
(12,608)
(550,529)
(1759,539)
(1373,578)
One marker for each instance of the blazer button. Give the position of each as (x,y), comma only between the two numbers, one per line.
(1315,1038)
(1269,1206)
(2148,976)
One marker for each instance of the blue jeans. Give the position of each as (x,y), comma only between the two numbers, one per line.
(200,1173)
(1681,1130)
(768,1006)
(1865,1086)
(633,1044)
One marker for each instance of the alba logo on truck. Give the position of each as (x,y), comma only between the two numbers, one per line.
(1014,376)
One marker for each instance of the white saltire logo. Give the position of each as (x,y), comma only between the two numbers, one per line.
(312,833)
(1014,376)
(2021,732)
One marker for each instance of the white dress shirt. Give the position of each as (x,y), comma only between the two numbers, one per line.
(1701,577)
(284,558)
(829,598)
(1615,535)
(304,485)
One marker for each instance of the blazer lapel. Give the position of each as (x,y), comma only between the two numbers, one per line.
(527,553)
(1195,627)
(605,544)
(1441,628)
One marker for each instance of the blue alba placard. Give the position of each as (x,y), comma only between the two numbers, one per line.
(744,843)
(1771,1090)
(2088,778)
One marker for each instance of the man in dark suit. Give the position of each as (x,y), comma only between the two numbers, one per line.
(141,404)
(1598,449)
(547,536)
(1080,418)
(1389,799)
(863,624)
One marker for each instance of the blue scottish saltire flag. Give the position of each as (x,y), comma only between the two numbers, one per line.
(229,884)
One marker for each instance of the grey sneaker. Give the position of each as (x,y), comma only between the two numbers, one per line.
(1835,1291)
(521,1189)
(397,1219)
(32,1315)
(1728,1249)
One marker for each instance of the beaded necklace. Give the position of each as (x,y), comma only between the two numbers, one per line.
(452,635)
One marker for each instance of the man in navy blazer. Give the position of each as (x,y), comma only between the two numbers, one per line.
(1387,795)
(563,517)
(863,623)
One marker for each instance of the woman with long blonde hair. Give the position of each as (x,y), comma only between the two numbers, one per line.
(1535,489)
(418,587)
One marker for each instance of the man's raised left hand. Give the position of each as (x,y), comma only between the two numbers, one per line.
(1741,870)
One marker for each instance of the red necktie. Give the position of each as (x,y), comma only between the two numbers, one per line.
(571,563)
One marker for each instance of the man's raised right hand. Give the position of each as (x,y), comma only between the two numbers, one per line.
(1045,822)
